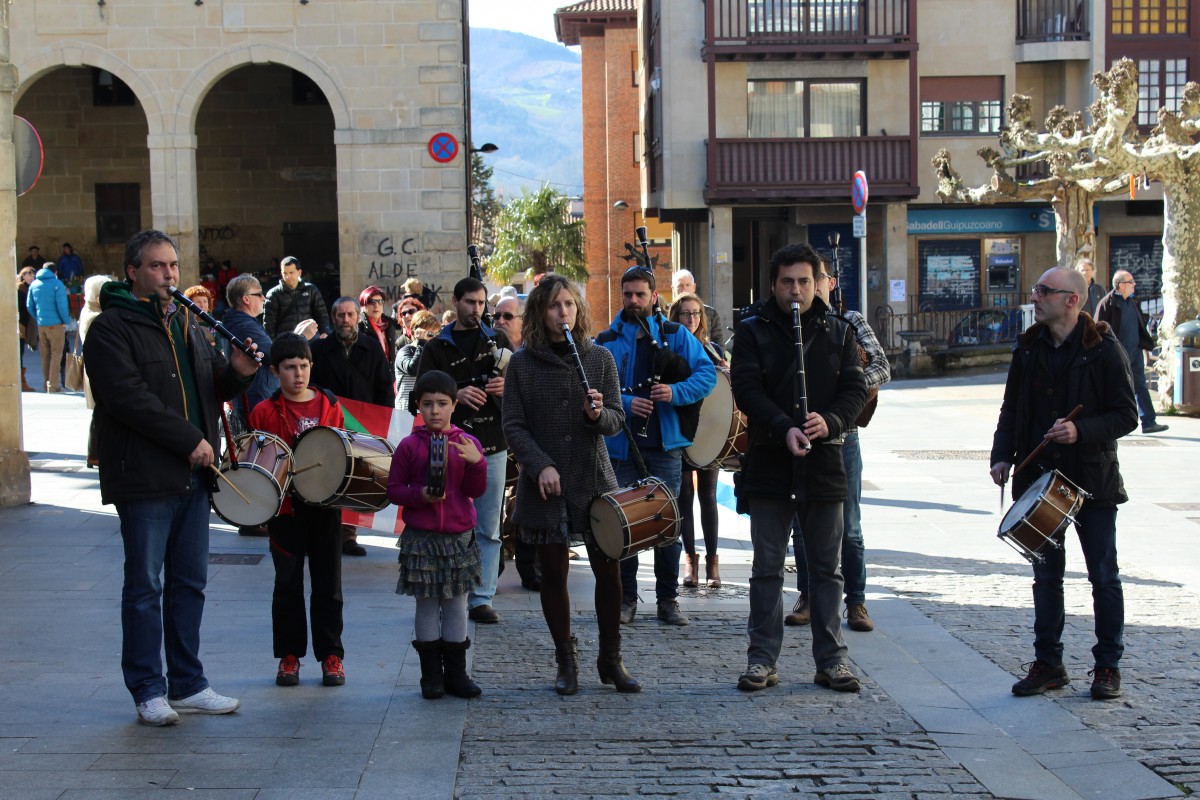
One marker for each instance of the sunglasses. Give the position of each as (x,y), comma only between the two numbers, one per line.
(408,312)
(507,315)
(639,272)
(375,301)
(254,294)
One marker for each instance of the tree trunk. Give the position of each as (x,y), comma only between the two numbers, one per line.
(1074,223)
(1180,270)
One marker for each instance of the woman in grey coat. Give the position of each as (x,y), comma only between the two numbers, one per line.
(556,434)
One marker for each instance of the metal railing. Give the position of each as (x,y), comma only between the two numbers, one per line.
(1052,20)
(996,324)
(809,21)
(804,167)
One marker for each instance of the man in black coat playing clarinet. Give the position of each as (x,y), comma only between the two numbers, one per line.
(798,409)
(1066,360)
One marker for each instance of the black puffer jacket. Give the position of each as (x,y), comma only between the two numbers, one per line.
(141,421)
(763,372)
(442,353)
(1098,377)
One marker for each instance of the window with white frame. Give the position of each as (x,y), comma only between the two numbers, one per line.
(1160,85)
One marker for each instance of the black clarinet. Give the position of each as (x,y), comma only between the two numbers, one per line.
(837,300)
(477,274)
(214,323)
(587,390)
(801,381)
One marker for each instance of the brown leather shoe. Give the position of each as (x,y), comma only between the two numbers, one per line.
(485,614)
(799,615)
(858,619)
(691,566)
(712,571)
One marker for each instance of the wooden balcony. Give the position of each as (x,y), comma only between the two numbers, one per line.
(752,30)
(1052,21)
(780,170)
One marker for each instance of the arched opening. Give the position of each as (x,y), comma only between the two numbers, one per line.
(267,175)
(95,187)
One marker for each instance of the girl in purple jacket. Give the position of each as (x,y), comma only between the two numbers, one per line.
(439,559)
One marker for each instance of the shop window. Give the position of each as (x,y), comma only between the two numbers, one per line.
(804,108)
(948,272)
(118,212)
(109,90)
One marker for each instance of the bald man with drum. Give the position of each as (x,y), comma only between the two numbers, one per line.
(1064,360)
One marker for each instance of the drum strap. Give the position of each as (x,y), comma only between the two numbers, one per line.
(229,448)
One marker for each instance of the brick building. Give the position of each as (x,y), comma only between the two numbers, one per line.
(606,32)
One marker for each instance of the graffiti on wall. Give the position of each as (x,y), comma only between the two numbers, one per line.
(395,259)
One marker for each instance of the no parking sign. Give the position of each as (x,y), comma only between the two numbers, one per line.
(443,147)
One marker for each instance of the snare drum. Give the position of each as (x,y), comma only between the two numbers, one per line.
(262,475)
(721,436)
(1037,519)
(627,521)
(342,469)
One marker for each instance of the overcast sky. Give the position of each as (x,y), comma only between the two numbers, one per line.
(532,17)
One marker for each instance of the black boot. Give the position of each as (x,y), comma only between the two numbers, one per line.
(454,665)
(612,670)
(567,655)
(433,685)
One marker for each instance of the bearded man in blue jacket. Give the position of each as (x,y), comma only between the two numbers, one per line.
(653,418)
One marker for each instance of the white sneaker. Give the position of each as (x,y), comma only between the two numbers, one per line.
(157,712)
(206,702)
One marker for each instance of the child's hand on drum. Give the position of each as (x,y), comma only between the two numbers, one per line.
(467,449)
(430,497)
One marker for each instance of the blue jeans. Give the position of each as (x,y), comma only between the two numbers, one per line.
(1141,393)
(487,510)
(667,466)
(1097,529)
(167,536)
(769,518)
(854,560)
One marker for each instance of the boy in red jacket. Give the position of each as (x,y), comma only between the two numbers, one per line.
(302,529)
(439,558)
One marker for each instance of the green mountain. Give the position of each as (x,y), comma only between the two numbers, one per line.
(526,99)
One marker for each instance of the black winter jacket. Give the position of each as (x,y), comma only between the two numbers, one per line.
(1109,310)
(1099,379)
(364,375)
(763,374)
(143,434)
(442,353)
(286,308)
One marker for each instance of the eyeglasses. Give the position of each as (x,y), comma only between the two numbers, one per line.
(1041,290)
(690,314)
(507,315)
(254,294)
(1122,283)
(375,301)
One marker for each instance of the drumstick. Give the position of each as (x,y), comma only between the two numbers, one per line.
(1045,442)
(221,475)
(306,469)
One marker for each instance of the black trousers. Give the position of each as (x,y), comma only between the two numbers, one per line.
(316,533)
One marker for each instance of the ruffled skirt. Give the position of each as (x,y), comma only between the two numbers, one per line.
(438,565)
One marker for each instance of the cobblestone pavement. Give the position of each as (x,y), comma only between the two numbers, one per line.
(1157,719)
(690,732)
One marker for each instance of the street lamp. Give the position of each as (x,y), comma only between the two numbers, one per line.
(487,148)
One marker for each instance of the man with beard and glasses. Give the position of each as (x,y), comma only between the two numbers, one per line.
(352,365)
(467,350)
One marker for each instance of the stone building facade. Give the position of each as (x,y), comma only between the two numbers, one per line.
(250,129)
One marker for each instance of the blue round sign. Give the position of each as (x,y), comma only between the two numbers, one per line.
(858,192)
(443,147)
